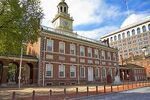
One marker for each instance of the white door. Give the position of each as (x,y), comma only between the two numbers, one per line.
(90,73)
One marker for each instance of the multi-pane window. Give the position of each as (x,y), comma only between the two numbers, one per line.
(49,45)
(103,72)
(73,71)
(96,53)
(109,55)
(89,52)
(61,47)
(82,72)
(61,71)
(49,70)
(138,30)
(82,51)
(128,34)
(103,54)
(119,37)
(96,72)
(133,32)
(144,28)
(72,49)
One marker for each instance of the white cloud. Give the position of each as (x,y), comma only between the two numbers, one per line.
(133,18)
(97,33)
(83,11)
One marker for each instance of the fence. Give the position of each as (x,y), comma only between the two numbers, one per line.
(84,91)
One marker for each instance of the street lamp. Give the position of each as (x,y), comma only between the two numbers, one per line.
(20,66)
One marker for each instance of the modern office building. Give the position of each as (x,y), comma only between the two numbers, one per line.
(66,58)
(132,39)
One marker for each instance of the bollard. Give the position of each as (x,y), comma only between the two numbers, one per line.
(76,92)
(123,86)
(96,89)
(33,95)
(111,88)
(117,88)
(14,96)
(104,88)
(132,85)
(50,94)
(87,90)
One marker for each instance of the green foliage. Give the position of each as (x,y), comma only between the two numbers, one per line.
(19,22)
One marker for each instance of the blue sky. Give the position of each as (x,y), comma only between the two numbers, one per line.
(95,18)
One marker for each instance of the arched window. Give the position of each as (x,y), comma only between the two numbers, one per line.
(65,9)
(115,38)
(149,27)
(133,32)
(138,30)
(61,9)
(144,28)
(123,35)
(111,39)
(128,34)
(119,37)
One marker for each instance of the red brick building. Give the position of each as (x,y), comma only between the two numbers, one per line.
(66,58)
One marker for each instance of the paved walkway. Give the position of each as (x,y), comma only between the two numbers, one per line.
(136,94)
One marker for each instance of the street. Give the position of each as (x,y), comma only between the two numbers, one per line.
(136,94)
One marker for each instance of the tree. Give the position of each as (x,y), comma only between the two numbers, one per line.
(19,22)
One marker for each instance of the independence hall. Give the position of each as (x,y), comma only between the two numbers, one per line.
(65,58)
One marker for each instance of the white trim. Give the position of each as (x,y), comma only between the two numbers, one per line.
(73,71)
(51,69)
(63,48)
(83,73)
(60,71)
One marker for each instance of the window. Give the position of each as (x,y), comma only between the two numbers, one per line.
(119,37)
(128,34)
(123,35)
(49,45)
(138,30)
(82,51)
(103,72)
(110,71)
(108,55)
(115,38)
(96,72)
(133,32)
(49,70)
(72,49)
(111,39)
(103,54)
(73,71)
(61,47)
(144,28)
(82,72)
(65,9)
(149,27)
(114,56)
(89,52)
(96,53)
(61,71)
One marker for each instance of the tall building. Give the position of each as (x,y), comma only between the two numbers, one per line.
(131,40)
(67,58)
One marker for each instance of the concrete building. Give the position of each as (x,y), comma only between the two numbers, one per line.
(131,39)
(66,58)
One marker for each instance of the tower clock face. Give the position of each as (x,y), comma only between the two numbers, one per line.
(65,23)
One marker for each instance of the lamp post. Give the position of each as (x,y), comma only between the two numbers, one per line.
(20,66)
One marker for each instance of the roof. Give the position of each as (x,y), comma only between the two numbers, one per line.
(144,20)
(130,66)
(62,3)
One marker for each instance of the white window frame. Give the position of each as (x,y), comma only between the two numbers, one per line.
(96,55)
(97,71)
(83,73)
(82,49)
(103,72)
(90,52)
(60,69)
(73,69)
(73,48)
(103,54)
(47,45)
(50,69)
(109,55)
(63,45)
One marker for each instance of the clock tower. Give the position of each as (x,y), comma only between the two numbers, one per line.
(62,20)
